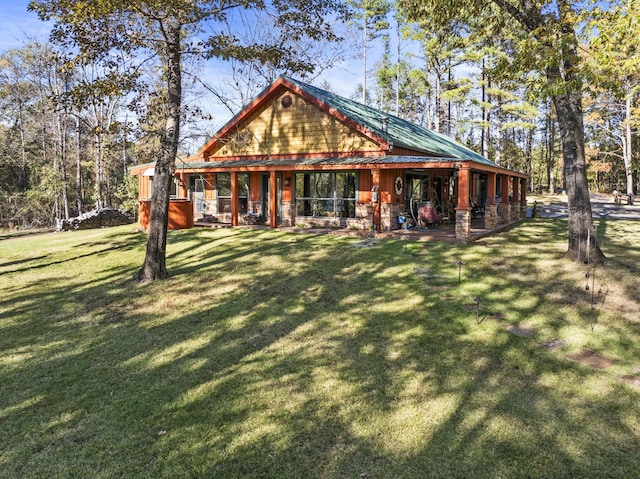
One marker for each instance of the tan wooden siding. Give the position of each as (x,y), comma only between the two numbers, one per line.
(298,128)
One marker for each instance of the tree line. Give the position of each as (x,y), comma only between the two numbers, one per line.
(521,82)
(473,76)
(63,153)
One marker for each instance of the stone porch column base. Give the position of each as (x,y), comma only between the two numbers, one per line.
(515,211)
(463,223)
(505,213)
(491,217)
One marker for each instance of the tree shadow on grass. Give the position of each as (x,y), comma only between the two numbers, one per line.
(268,356)
(105,244)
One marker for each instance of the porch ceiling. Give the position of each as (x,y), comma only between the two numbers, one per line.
(321,161)
(333,162)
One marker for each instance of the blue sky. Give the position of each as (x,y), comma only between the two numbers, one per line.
(17,26)
(16,22)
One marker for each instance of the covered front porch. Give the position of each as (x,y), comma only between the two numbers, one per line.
(369,195)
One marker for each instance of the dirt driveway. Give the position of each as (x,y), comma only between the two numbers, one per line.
(602,206)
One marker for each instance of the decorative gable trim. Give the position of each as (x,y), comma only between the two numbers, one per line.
(238,122)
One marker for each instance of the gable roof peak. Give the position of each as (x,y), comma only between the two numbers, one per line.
(386,127)
(393,129)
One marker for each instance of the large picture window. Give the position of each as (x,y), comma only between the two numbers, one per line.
(223,186)
(326,194)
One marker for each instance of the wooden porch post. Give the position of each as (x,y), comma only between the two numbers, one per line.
(491,188)
(273,199)
(234,198)
(506,188)
(375,180)
(464,179)
(463,213)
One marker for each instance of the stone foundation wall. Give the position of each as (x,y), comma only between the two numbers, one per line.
(364,215)
(515,211)
(390,216)
(362,221)
(255,207)
(364,218)
(491,217)
(505,213)
(463,223)
(288,213)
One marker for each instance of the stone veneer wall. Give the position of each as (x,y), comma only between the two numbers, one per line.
(288,213)
(491,217)
(364,215)
(255,207)
(515,210)
(463,223)
(390,214)
(505,213)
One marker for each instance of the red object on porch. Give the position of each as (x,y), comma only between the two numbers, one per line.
(427,214)
(180,214)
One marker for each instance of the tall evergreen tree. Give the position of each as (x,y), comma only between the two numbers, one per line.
(548,45)
(614,58)
(370,17)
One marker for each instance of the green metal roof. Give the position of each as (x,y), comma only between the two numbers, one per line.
(434,147)
(399,132)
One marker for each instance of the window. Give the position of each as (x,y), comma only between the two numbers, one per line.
(321,194)
(223,186)
(174,188)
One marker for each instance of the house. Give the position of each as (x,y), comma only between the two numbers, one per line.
(300,155)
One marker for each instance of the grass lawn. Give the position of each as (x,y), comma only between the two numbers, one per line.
(282,355)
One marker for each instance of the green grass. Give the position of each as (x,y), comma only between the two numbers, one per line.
(280,355)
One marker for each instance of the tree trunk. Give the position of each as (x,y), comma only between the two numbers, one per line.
(498,135)
(99,152)
(567,98)
(582,238)
(627,153)
(364,63)
(484,139)
(62,137)
(78,167)
(154,266)
(551,145)
(438,107)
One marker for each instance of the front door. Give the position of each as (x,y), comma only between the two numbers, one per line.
(196,188)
